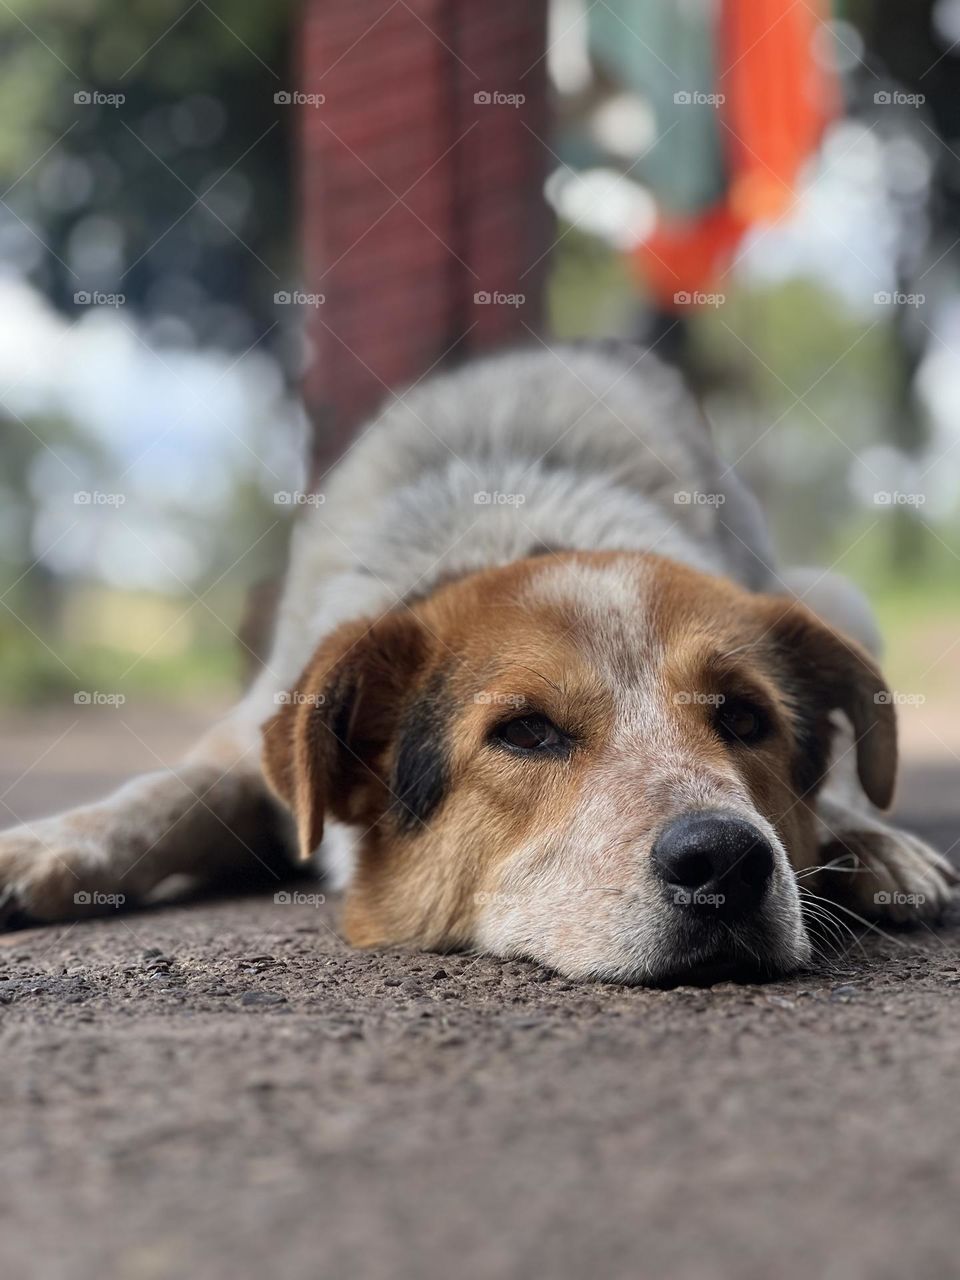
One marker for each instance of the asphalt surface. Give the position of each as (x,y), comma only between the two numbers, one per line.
(224,1089)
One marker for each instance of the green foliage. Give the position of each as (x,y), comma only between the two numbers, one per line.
(49,670)
(108,192)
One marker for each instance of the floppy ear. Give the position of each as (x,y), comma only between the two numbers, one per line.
(324,750)
(827,671)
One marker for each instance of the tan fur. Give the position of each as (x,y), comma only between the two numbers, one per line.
(628,654)
(495,635)
(440,832)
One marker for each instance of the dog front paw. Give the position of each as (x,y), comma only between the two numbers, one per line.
(39,877)
(888,874)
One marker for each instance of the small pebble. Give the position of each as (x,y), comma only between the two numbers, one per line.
(843,993)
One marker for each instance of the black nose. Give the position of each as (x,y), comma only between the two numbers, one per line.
(710,861)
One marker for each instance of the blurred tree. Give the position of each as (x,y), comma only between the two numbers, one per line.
(142,152)
(914,43)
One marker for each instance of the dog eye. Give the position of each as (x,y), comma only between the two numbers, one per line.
(742,722)
(530,734)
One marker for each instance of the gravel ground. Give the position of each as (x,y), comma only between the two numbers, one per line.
(224,1089)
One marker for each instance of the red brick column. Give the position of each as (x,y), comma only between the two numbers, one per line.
(416,195)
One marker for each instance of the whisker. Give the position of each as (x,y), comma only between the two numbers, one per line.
(824,945)
(867,924)
(835,865)
(822,910)
(553,685)
(835,928)
(741,942)
(817,912)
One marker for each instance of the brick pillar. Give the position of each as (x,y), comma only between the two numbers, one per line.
(415,197)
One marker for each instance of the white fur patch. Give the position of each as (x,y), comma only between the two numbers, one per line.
(568,449)
(338,853)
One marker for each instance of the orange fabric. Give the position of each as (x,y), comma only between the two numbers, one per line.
(685,256)
(778,100)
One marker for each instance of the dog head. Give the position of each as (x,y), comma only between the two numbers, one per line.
(604,762)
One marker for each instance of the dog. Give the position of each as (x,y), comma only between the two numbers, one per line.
(538,689)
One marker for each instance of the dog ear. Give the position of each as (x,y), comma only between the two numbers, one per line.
(827,671)
(325,749)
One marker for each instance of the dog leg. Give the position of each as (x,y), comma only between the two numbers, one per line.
(879,870)
(210,816)
(875,868)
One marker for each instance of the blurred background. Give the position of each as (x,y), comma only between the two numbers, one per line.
(227,231)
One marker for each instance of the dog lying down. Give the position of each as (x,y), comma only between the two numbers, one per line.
(538,689)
